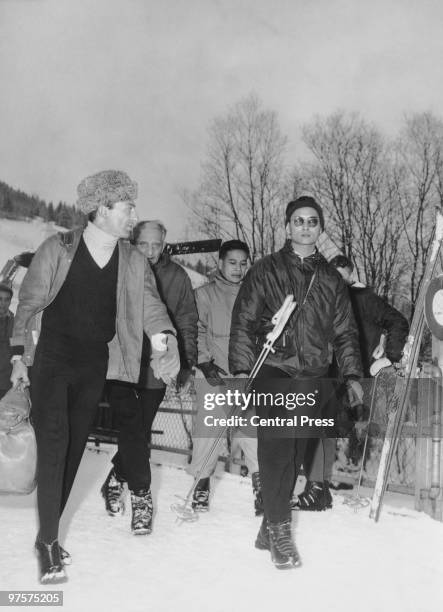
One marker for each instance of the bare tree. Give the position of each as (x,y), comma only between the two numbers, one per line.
(348,174)
(417,183)
(240,193)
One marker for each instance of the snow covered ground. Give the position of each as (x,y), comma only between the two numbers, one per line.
(349,563)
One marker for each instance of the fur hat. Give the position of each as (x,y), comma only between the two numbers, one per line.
(105,188)
(302,202)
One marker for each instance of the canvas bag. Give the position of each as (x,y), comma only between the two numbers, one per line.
(18,448)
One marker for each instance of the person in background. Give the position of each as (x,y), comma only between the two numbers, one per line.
(135,405)
(6,324)
(375,319)
(214,303)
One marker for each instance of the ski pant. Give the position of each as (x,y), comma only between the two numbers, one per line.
(203,440)
(319,459)
(320,453)
(134,411)
(65,391)
(280,453)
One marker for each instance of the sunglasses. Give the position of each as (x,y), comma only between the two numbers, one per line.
(300,221)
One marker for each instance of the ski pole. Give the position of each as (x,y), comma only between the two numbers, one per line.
(185,512)
(356,501)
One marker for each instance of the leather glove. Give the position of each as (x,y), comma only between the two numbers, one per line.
(355,393)
(165,363)
(184,380)
(211,372)
(378,365)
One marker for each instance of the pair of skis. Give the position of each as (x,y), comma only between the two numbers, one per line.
(408,366)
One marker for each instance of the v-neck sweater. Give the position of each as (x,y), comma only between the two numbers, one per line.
(84,310)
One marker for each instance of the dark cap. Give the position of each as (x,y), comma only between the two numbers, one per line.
(302,202)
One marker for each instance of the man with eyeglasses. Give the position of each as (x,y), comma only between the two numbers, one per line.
(300,363)
(135,406)
(84,303)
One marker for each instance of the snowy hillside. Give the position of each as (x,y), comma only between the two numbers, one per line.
(19,236)
(349,562)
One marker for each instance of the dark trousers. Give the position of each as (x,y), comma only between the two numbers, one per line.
(280,452)
(134,411)
(65,391)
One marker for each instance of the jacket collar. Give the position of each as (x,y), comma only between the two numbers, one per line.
(314,258)
(222,282)
(163,260)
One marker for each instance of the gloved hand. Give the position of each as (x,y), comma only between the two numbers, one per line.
(19,374)
(355,393)
(211,372)
(378,365)
(184,380)
(379,350)
(165,363)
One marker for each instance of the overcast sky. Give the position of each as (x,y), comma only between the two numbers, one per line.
(88,85)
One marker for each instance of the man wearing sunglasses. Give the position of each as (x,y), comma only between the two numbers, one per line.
(300,363)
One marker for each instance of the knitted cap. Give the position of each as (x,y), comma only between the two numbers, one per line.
(302,202)
(105,188)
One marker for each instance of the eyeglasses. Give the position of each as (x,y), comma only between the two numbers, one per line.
(300,221)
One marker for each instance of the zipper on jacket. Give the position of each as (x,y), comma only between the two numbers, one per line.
(301,354)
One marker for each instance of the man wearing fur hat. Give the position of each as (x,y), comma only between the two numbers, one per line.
(300,362)
(84,303)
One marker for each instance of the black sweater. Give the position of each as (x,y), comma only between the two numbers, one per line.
(84,310)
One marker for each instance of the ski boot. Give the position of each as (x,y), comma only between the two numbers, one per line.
(65,556)
(258,498)
(200,500)
(316,497)
(142,511)
(51,566)
(283,551)
(112,492)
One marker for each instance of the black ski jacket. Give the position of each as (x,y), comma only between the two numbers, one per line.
(175,289)
(374,316)
(323,322)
